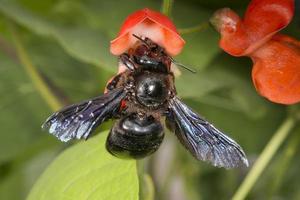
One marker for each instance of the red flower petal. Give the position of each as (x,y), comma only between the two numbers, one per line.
(151,24)
(262,20)
(276,71)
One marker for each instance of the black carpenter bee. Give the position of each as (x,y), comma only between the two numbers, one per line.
(140,98)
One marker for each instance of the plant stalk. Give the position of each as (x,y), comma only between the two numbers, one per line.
(194,29)
(167,7)
(264,158)
(35,77)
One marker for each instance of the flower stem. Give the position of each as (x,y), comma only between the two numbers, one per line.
(193,29)
(264,158)
(284,161)
(32,72)
(167,7)
(149,190)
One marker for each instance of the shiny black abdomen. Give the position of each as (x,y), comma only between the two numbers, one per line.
(135,137)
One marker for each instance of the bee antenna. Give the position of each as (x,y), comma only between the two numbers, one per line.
(141,39)
(183,66)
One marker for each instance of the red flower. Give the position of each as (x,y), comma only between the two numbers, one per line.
(148,23)
(276,57)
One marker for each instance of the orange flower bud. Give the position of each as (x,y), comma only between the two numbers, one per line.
(262,20)
(148,23)
(276,70)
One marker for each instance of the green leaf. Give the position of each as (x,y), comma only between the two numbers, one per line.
(87,171)
(87,45)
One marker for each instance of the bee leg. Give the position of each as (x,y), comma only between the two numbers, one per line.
(112,83)
(127,61)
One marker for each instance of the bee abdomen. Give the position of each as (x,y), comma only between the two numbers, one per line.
(135,137)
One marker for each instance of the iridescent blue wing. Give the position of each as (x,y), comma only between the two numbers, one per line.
(202,139)
(79,120)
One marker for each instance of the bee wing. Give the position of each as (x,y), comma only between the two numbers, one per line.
(79,120)
(202,139)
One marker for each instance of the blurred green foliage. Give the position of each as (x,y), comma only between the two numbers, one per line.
(78,174)
(68,43)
